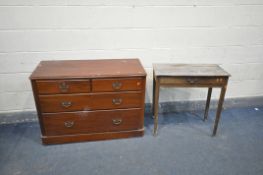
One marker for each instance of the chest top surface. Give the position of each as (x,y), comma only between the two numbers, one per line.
(88,69)
(208,70)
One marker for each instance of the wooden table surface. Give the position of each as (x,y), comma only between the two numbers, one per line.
(189,70)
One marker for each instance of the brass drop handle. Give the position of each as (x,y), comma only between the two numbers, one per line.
(192,80)
(117,101)
(66,104)
(69,124)
(116,85)
(117,121)
(63,87)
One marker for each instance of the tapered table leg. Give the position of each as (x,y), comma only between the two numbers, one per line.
(153,97)
(219,109)
(156,105)
(207,103)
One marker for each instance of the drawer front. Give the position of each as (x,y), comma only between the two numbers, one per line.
(63,86)
(85,102)
(194,81)
(92,122)
(117,100)
(119,84)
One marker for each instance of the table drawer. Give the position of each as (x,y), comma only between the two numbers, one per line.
(118,84)
(92,122)
(194,81)
(63,86)
(79,102)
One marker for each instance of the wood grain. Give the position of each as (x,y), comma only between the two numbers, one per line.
(93,121)
(117,84)
(91,136)
(63,86)
(189,81)
(191,70)
(189,75)
(87,102)
(110,68)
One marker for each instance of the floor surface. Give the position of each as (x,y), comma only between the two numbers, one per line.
(184,146)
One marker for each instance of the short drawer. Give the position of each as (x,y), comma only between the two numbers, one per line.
(119,84)
(86,102)
(63,86)
(92,122)
(194,81)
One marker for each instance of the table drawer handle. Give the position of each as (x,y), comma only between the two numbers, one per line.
(192,80)
(66,104)
(63,87)
(116,101)
(116,85)
(117,121)
(69,124)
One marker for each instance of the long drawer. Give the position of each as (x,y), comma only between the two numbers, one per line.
(197,81)
(93,121)
(86,102)
(117,84)
(63,86)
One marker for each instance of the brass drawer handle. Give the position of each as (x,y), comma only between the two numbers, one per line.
(69,124)
(63,87)
(117,101)
(191,80)
(117,121)
(116,85)
(66,104)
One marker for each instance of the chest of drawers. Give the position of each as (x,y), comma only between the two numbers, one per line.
(85,100)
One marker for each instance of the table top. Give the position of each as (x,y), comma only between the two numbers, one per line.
(180,70)
(88,69)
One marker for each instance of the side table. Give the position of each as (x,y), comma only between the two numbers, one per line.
(189,75)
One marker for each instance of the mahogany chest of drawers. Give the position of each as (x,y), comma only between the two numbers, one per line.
(84,100)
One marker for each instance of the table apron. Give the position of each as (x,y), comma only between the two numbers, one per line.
(192,81)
